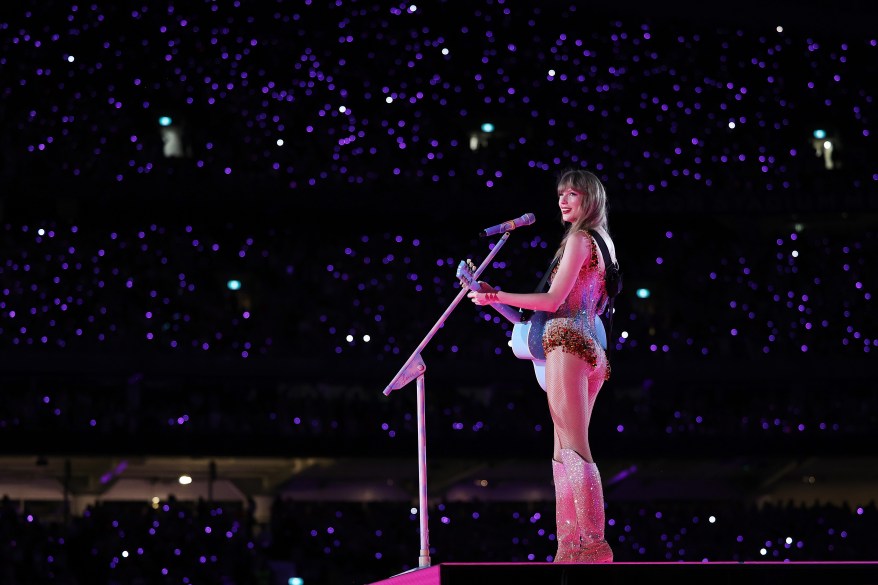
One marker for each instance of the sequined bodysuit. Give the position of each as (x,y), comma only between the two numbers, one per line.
(572,327)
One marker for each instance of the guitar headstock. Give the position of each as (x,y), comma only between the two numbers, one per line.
(466,274)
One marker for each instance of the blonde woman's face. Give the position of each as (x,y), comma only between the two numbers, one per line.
(570,203)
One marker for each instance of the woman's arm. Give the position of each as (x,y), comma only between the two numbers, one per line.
(576,251)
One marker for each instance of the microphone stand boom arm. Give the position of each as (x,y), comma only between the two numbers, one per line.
(400,379)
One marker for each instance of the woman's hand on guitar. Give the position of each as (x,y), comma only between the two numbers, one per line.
(484,296)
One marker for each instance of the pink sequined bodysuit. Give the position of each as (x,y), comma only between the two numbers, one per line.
(572,327)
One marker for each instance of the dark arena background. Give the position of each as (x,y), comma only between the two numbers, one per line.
(226,226)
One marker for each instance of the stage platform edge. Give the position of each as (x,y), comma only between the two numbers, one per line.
(715,573)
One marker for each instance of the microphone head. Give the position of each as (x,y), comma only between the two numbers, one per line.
(526,219)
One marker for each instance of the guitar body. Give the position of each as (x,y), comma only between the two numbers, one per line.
(527,344)
(527,336)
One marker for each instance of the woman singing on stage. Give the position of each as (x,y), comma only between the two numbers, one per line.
(576,363)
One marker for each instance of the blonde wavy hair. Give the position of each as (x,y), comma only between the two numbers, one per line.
(593,206)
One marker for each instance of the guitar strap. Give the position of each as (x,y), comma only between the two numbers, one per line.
(607,316)
(603,246)
(541,287)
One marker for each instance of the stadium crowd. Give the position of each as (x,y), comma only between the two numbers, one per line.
(231,223)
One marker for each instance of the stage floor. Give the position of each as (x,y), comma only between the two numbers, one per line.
(714,573)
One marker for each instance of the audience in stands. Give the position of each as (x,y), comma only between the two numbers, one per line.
(234,132)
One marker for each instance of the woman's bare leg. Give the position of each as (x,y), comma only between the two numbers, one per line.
(572,386)
(570,401)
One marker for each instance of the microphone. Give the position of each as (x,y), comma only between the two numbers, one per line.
(508,226)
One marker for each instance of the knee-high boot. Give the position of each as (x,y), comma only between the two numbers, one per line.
(588,498)
(566,532)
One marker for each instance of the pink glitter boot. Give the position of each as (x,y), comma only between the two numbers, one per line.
(565,515)
(588,497)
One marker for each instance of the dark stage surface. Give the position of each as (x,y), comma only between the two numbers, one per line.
(715,573)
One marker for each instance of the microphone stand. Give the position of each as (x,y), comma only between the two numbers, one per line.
(415,368)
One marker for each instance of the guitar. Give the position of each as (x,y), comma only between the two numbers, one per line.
(527,336)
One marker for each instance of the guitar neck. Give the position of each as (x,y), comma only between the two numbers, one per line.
(511,313)
(465,274)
